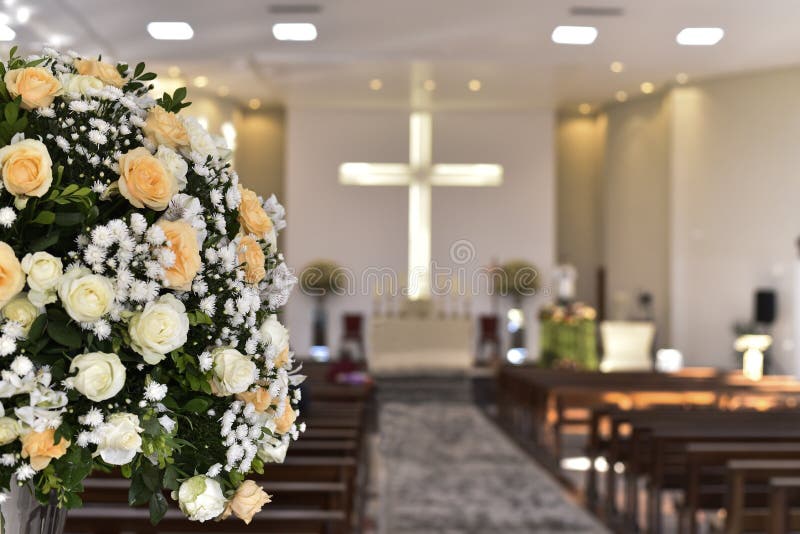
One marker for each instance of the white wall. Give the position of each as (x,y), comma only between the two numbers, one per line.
(362,227)
(634,206)
(735,215)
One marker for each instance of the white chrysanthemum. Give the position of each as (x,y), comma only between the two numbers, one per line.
(7,216)
(25,472)
(102,236)
(79,106)
(93,418)
(206,361)
(7,345)
(214,470)
(138,223)
(22,365)
(98,138)
(154,391)
(8,459)
(102,329)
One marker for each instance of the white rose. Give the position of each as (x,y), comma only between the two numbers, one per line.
(233,372)
(9,430)
(119,438)
(201,498)
(44,271)
(174,163)
(86,296)
(274,333)
(273,450)
(160,328)
(80,84)
(200,140)
(20,310)
(101,375)
(223,150)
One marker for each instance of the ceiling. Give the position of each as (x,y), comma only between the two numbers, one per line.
(503,43)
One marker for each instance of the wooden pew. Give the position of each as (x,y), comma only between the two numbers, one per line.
(744,472)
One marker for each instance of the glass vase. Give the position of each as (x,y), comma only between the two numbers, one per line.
(22,513)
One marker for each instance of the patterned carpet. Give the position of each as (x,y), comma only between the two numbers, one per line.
(447,469)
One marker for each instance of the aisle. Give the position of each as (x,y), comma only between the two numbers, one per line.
(443,467)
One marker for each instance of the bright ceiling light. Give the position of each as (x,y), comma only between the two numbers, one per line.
(621,96)
(23,14)
(254,103)
(474,85)
(585,108)
(6,33)
(647,88)
(617,67)
(174,71)
(200,81)
(170,31)
(429,85)
(294,31)
(700,36)
(574,35)
(682,78)
(375,84)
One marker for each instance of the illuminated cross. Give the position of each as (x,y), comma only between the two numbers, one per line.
(419,175)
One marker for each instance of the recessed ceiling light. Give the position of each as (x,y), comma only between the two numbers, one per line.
(617,66)
(6,33)
(223,90)
(200,81)
(254,103)
(294,31)
(585,108)
(429,85)
(621,96)
(647,88)
(700,36)
(474,85)
(574,35)
(170,31)
(174,71)
(682,78)
(375,84)
(23,14)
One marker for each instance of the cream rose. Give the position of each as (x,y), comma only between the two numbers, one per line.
(86,296)
(163,127)
(174,163)
(276,336)
(200,140)
(105,72)
(283,424)
(252,217)
(9,430)
(36,85)
(160,328)
(100,375)
(22,311)
(120,438)
(233,372)
(252,259)
(201,498)
(27,168)
(260,398)
(12,278)
(183,244)
(44,271)
(273,450)
(41,447)
(144,180)
(80,84)
(247,501)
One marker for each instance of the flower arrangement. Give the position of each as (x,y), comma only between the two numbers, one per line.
(321,277)
(138,288)
(517,278)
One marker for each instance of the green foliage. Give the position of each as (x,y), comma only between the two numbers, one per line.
(175,102)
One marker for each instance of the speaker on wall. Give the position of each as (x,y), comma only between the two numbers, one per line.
(766,306)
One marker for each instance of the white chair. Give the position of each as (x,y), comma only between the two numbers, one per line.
(627,345)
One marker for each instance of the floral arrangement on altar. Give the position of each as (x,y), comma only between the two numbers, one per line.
(517,278)
(139,283)
(321,277)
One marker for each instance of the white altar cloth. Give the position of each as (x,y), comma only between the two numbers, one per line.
(415,344)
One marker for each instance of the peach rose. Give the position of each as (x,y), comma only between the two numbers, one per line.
(106,72)
(260,399)
(282,358)
(252,258)
(37,86)
(12,278)
(284,423)
(27,168)
(163,127)
(183,243)
(41,448)
(252,217)
(247,501)
(144,180)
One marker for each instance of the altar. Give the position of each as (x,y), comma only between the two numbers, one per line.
(406,345)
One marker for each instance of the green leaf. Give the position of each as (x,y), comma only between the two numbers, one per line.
(69,336)
(12,112)
(138,493)
(43,242)
(158,507)
(139,69)
(68,218)
(44,217)
(151,477)
(37,328)
(171,478)
(197,405)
